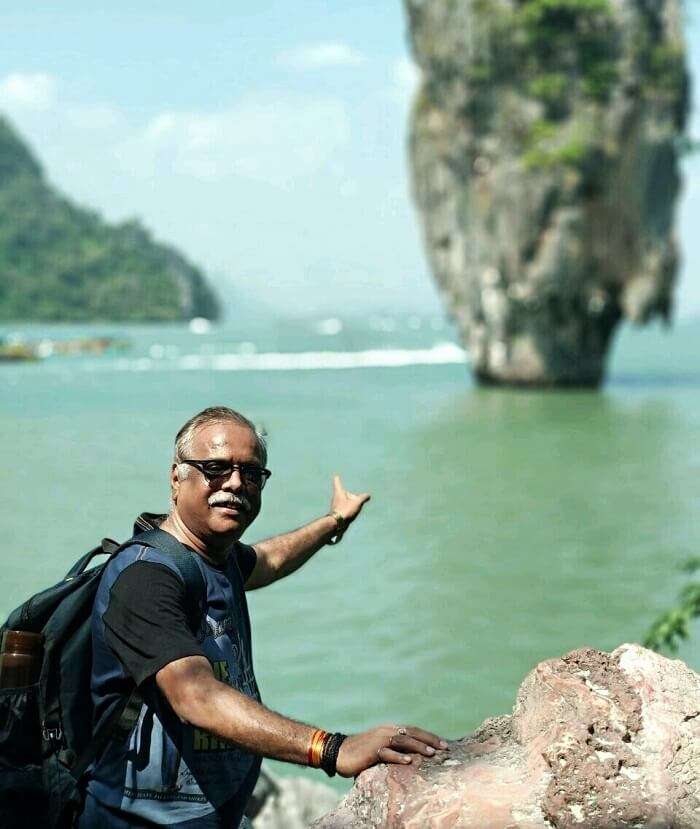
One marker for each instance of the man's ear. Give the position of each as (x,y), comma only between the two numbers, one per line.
(174,483)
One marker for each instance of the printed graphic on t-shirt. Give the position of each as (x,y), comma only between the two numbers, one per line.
(225,632)
(218,627)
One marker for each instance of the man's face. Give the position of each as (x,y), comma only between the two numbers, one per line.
(200,503)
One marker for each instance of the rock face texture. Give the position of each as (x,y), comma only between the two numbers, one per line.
(544,151)
(596,740)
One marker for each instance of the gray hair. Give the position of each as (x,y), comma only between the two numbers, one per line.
(214,414)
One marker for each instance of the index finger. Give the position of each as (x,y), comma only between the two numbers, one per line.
(426,737)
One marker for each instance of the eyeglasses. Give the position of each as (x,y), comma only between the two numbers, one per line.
(251,474)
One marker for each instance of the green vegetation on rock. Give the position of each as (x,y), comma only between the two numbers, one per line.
(560,53)
(571,48)
(565,46)
(555,19)
(667,68)
(549,145)
(62,262)
(550,88)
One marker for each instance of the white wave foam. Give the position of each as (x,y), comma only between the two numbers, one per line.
(200,325)
(329,327)
(440,354)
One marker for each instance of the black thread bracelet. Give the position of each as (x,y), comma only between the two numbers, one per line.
(331,748)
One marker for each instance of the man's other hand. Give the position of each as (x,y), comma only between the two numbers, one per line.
(385,744)
(347,504)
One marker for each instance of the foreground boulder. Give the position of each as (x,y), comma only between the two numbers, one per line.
(596,740)
(544,152)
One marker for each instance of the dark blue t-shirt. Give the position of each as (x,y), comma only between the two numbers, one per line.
(169,771)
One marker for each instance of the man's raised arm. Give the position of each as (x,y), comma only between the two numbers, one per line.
(283,554)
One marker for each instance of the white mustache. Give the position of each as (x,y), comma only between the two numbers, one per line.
(224,499)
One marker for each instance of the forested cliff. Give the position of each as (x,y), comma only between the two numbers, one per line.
(59,261)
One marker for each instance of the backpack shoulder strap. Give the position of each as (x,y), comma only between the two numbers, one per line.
(184,559)
(123,719)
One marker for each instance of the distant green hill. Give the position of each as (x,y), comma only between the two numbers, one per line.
(63,262)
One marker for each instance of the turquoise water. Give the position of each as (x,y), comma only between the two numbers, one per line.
(504,527)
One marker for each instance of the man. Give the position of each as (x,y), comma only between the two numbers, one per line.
(194,754)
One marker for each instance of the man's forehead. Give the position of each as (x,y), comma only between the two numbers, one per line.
(224,439)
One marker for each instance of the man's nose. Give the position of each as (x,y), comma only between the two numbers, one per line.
(234,481)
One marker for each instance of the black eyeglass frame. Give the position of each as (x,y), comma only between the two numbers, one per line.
(241,467)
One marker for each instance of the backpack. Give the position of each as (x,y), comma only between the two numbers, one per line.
(46,731)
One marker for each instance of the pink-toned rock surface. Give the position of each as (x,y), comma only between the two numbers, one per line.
(596,740)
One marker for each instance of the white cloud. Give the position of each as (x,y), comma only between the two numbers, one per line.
(28,91)
(269,139)
(322,55)
(406,78)
(32,98)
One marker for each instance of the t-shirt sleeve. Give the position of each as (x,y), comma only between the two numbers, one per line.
(247,557)
(146,622)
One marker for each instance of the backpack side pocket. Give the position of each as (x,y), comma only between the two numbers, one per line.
(23,797)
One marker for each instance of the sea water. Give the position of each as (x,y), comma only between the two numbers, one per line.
(504,528)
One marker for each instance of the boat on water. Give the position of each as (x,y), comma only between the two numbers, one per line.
(39,350)
(14,352)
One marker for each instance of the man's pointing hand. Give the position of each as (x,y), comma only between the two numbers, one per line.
(347,504)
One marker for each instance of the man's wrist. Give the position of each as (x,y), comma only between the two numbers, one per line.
(341,524)
(323,750)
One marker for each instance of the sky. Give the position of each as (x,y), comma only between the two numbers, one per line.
(266,140)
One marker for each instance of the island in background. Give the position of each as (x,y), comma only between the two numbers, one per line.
(544,148)
(61,262)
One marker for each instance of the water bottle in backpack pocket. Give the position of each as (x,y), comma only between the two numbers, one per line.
(21,654)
